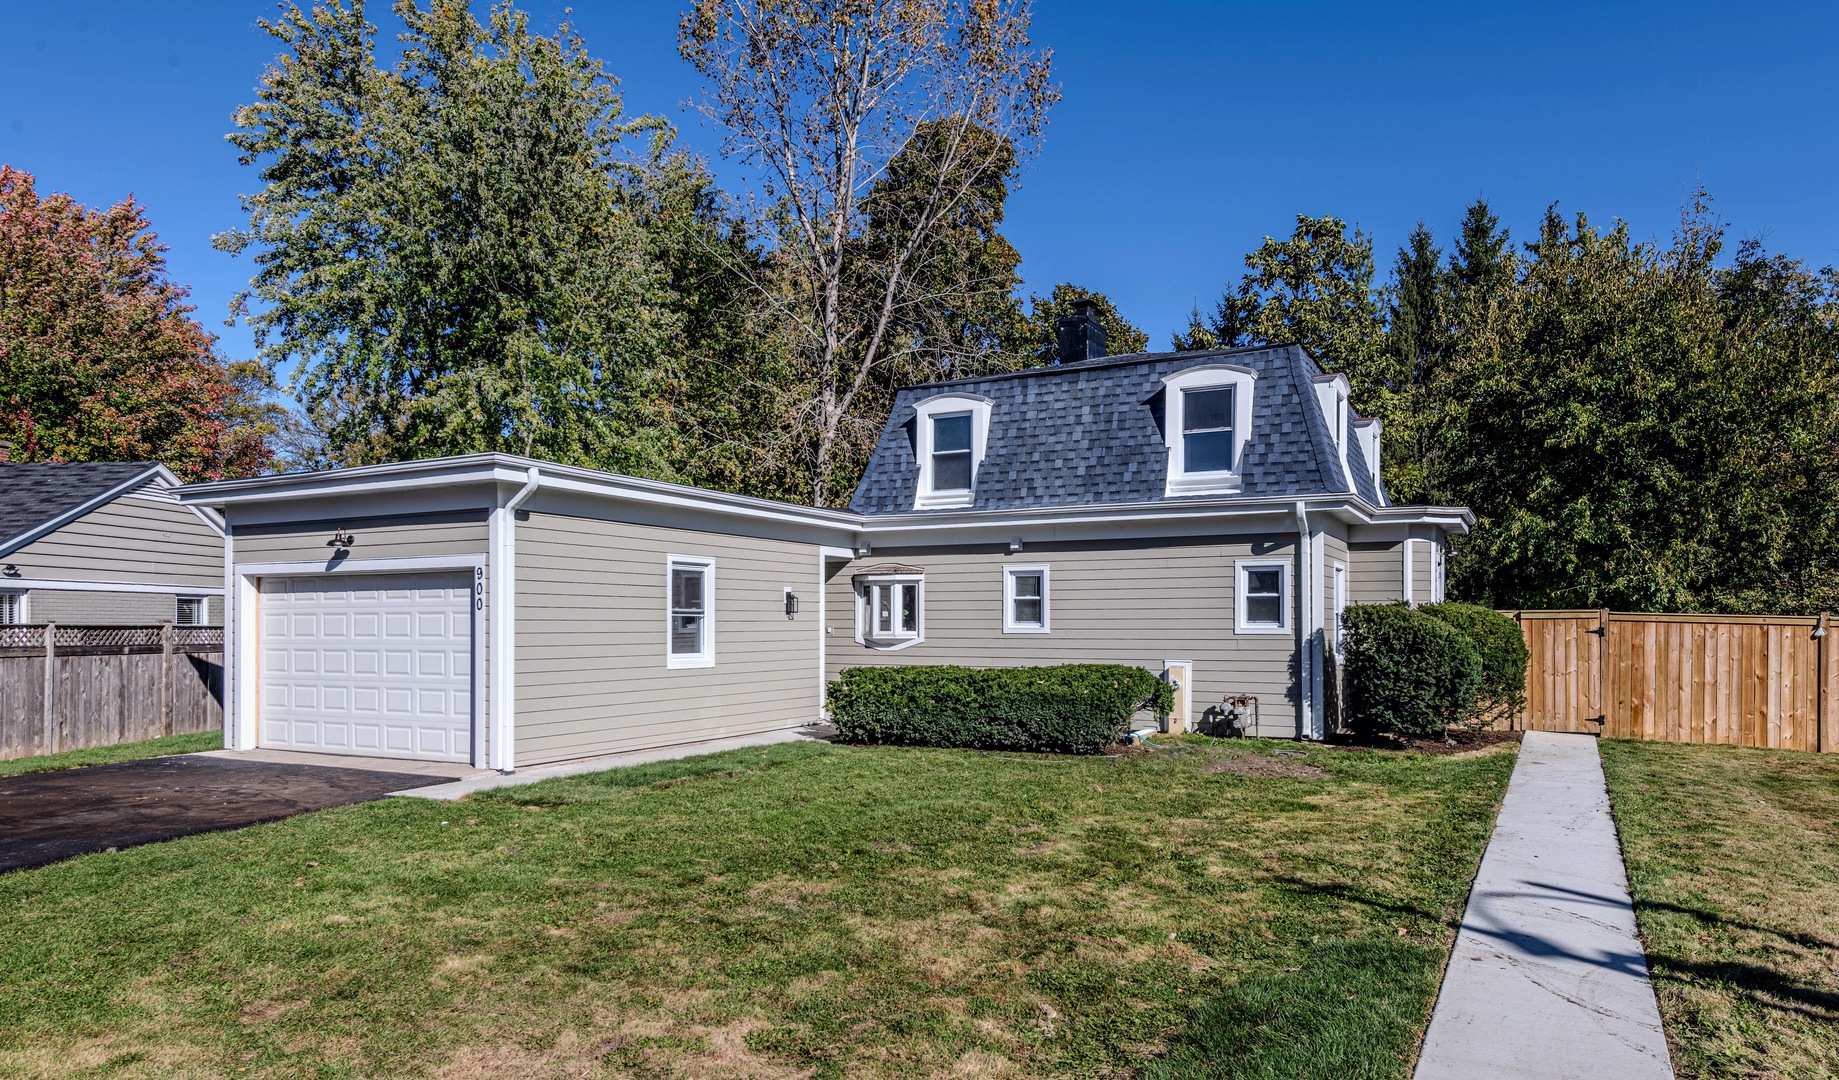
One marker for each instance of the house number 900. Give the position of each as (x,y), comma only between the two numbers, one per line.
(478,588)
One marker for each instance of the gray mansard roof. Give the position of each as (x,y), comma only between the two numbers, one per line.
(1091,433)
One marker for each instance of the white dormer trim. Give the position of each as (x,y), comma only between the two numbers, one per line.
(1207,377)
(1367,433)
(1332,393)
(924,498)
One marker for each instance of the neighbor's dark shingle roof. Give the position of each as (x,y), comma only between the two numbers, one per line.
(1091,433)
(32,493)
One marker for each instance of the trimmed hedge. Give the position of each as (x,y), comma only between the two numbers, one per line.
(1067,709)
(1502,647)
(1407,673)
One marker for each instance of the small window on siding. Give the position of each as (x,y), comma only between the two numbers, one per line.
(190,611)
(951,452)
(890,612)
(12,608)
(691,629)
(1025,600)
(1264,606)
(1207,429)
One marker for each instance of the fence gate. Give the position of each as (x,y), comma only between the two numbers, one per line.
(1743,680)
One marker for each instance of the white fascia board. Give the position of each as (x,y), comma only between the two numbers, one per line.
(488,470)
(45,528)
(57,585)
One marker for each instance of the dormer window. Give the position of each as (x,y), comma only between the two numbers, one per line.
(951,452)
(1206,429)
(950,436)
(1208,422)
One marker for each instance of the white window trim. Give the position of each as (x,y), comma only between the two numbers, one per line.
(204,609)
(20,615)
(865,614)
(1206,377)
(1010,626)
(706,658)
(1242,625)
(924,498)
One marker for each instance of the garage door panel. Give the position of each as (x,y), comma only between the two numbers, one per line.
(369,664)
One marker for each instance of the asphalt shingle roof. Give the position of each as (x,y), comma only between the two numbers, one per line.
(1092,433)
(32,493)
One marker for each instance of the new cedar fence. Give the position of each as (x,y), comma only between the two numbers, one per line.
(1746,680)
(76,687)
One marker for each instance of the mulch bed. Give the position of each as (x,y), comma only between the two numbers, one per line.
(1456,742)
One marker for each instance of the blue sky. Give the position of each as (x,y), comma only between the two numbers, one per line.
(1188,130)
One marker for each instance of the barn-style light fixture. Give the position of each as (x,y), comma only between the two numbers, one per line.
(340,539)
(9,570)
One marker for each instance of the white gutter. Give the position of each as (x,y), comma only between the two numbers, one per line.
(501,639)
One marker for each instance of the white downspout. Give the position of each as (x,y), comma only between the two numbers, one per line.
(1305,638)
(503,634)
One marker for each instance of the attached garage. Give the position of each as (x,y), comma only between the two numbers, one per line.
(374,664)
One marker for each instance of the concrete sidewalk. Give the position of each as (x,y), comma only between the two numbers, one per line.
(1548,979)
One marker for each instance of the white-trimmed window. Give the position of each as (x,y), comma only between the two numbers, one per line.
(1207,421)
(890,606)
(1263,597)
(12,608)
(1025,608)
(690,623)
(951,432)
(189,611)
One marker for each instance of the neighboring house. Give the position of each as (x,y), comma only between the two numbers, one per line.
(1216,509)
(105,544)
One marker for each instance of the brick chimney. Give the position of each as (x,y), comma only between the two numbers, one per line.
(1082,336)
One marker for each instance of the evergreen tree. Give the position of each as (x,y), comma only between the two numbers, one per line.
(1417,338)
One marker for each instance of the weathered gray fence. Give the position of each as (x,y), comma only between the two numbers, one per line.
(75,687)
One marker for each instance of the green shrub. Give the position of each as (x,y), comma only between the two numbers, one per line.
(1502,647)
(1407,673)
(1068,709)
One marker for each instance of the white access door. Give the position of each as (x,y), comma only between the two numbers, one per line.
(377,664)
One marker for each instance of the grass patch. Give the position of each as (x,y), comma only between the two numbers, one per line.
(1733,861)
(799,910)
(109,755)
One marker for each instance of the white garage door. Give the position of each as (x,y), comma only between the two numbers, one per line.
(368,664)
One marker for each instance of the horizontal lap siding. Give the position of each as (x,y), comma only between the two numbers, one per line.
(130,540)
(1377,571)
(1421,556)
(1137,604)
(378,538)
(591,673)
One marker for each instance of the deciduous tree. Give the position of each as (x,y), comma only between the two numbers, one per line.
(822,98)
(100,358)
(446,257)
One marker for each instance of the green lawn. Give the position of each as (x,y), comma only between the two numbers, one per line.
(109,755)
(1733,860)
(798,910)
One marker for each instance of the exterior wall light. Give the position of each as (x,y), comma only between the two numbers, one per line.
(791,603)
(340,539)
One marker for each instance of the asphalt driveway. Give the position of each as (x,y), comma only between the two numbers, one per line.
(45,817)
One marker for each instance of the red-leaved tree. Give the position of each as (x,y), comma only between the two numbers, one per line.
(100,358)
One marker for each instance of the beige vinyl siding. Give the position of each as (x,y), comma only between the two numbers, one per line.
(591,645)
(1377,572)
(1334,550)
(1133,602)
(1420,572)
(131,540)
(401,537)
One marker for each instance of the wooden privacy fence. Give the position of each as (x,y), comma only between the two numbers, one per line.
(1746,680)
(75,687)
